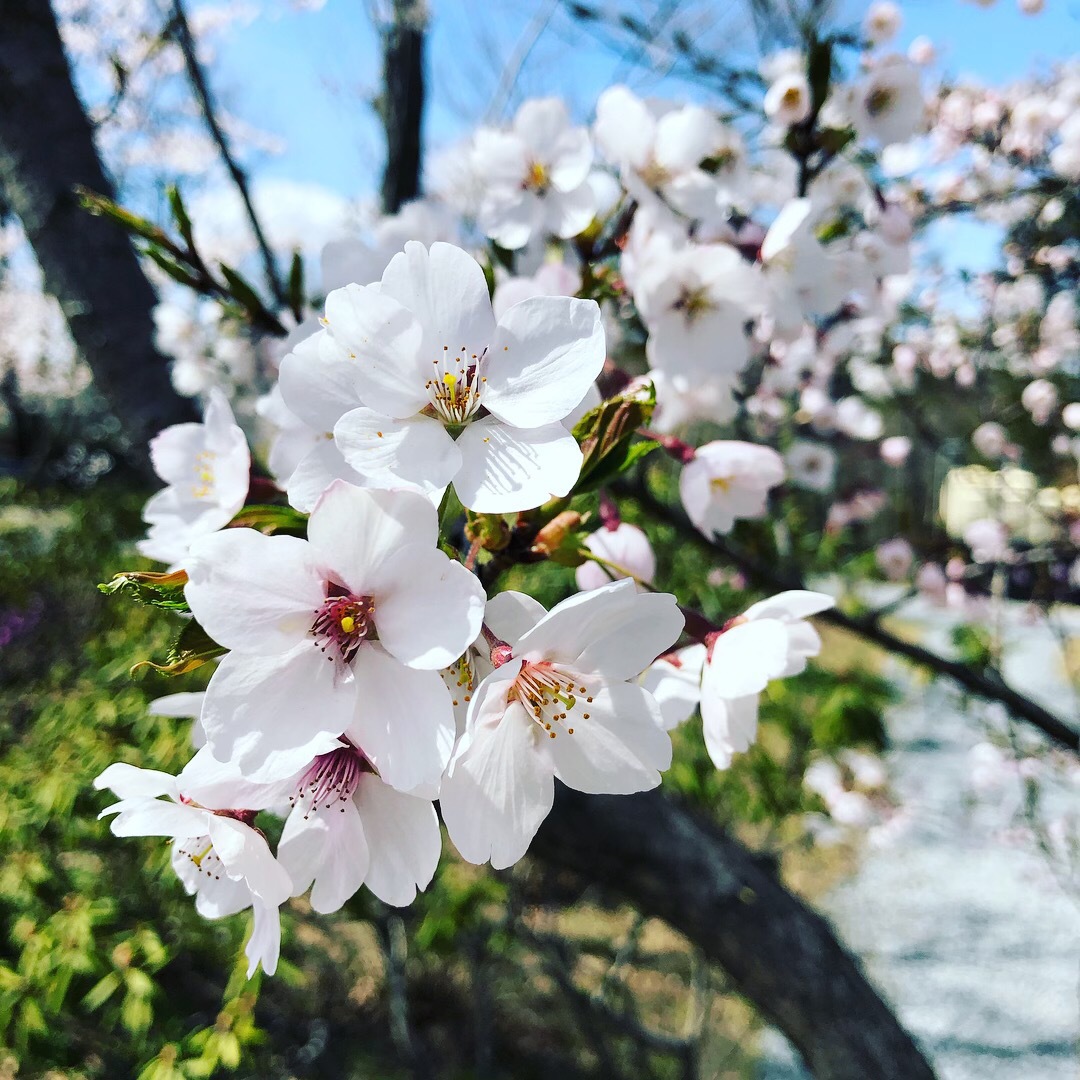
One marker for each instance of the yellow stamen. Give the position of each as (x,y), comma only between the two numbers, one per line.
(348,624)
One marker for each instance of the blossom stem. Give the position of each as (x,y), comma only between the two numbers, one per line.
(681,451)
(501,652)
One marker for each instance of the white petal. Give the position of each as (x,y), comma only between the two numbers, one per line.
(510,615)
(253,592)
(390,453)
(388,342)
(745,658)
(185,704)
(621,748)
(129,781)
(273,715)
(499,791)
(429,608)
(156,817)
(404,839)
(245,854)
(446,289)
(316,471)
(788,606)
(320,384)
(328,848)
(507,469)
(404,719)
(568,213)
(625,127)
(264,945)
(546,352)
(675,682)
(354,531)
(614,631)
(729,727)
(220,785)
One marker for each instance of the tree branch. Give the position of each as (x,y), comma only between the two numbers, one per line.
(401,104)
(781,955)
(987,684)
(182,35)
(89,265)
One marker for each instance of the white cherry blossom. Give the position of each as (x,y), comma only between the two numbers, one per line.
(449,395)
(535,176)
(626,552)
(559,706)
(218,855)
(207,469)
(340,634)
(727,481)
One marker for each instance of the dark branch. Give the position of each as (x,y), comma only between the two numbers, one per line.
(986,683)
(781,955)
(89,265)
(181,33)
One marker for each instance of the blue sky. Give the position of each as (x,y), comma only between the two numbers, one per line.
(308,76)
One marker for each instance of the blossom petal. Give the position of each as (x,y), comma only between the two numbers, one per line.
(404,838)
(546,352)
(745,658)
(316,471)
(429,608)
(404,720)
(499,791)
(253,592)
(675,682)
(320,382)
(245,855)
(155,817)
(385,452)
(355,530)
(510,615)
(264,945)
(328,848)
(129,781)
(614,631)
(729,726)
(387,340)
(507,469)
(791,605)
(621,748)
(445,288)
(272,715)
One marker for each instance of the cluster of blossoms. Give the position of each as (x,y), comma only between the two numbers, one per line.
(648,278)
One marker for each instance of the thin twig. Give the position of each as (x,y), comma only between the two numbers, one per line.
(182,35)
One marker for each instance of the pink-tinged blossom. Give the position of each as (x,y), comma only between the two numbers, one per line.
(895,450)
(448,394)
(895,558)
(217,854)
(340,634)
(988,540)
(626,552)
(811,465)
(770,640)
(728,481)
(345,826)
(561,706)
(535,176)
(206,467)
(675,681)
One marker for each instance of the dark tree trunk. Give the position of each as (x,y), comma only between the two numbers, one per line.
(46,149)
(781,955)
(401,105)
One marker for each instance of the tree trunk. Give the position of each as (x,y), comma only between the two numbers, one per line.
(401,105)
(89,265)
(781,955)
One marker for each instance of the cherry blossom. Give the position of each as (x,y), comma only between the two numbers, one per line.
(727,481)
(342,633)
(559,706)
(206,467)
(451,395)
(625,551)
(218,855)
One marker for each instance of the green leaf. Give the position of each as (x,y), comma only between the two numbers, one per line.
(180,215)
(819,71)
(100,206)
(173,268)
(193,648)
(607,435)
(102,991)
(270,519)
(243,292)
(158,590)
(297,297)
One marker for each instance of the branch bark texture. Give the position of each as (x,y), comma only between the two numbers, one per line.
(401,105)
(89,265)
(780,954)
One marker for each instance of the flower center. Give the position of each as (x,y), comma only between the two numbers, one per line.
(343,624)
(203,487)
(454,388)
(200,850)
(693,303)
(879,100)
(537,178)
(330,781)
(550,695)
